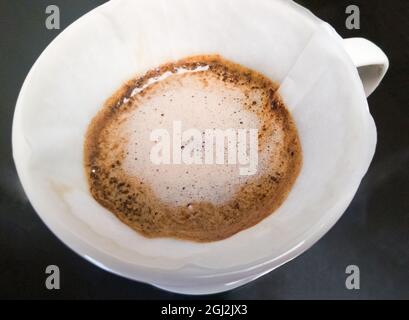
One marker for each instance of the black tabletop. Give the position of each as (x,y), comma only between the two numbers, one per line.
(373,234)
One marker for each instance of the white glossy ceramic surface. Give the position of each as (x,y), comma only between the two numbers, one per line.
(87,62)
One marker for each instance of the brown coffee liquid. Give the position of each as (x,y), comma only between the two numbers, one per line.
(198,202)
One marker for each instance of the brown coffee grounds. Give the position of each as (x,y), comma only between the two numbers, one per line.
(136,204)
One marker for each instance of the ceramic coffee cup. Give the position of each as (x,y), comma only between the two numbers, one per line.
(323,79)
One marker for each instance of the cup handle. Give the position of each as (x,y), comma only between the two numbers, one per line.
(371,62)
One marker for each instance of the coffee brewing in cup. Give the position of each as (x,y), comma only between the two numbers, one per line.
(198,149)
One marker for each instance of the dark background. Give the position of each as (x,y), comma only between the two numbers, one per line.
(373,233)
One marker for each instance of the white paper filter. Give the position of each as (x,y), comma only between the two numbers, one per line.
(91,59)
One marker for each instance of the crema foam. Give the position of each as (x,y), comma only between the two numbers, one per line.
(198,149)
